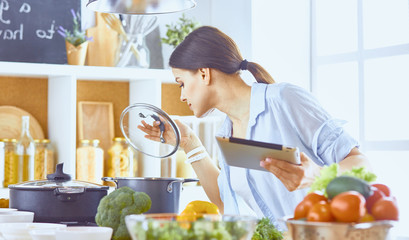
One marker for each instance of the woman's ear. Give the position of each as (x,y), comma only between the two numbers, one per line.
(205,75)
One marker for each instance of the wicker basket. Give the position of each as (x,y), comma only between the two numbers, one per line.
(300,230)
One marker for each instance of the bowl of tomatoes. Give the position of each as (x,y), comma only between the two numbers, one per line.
(349,208)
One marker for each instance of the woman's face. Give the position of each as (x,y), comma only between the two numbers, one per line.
(193,90)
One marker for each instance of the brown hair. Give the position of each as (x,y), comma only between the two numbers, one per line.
(208,47)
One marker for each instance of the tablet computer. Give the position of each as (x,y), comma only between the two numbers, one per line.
(245,153)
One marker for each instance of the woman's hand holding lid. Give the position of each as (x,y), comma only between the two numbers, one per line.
(188,139)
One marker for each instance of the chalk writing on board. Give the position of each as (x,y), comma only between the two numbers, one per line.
(28,29)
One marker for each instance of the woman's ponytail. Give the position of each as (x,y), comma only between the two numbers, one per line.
(259,73)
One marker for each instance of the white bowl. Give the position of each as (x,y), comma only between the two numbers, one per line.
(84,233)
(42,234)
(20,231)
(16,217)
(7,210)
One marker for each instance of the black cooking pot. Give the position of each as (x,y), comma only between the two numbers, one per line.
(58,199)
(164,192)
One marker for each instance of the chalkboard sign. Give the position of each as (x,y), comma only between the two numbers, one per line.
(28,29)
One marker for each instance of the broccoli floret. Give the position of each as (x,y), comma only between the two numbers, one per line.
(266,231)
(113,208)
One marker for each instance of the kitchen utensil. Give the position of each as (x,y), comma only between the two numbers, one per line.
(58,199)
(164,192)
(115,24)
(140,7)
(299,229)
(20,231)
(150,226)
(137,27)
(16,216)
(10,123)
(133,115)
(84,233)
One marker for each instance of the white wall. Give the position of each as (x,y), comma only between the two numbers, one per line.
(273,33)
(281,39)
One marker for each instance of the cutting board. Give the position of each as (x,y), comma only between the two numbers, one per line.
(96,121)
(102,50)
(10,123)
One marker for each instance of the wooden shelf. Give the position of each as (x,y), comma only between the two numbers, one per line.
(37,70)
(144,86)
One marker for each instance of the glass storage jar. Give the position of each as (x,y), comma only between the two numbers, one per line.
(25,151)
(122,160)
(44,162)
(90,161)
(9,161)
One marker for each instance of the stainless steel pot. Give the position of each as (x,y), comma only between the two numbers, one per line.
(58,199)
(164,192)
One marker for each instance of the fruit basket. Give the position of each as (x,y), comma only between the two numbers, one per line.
(172,226)
(300,229)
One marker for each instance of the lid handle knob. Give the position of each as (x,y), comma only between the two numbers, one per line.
(59,175)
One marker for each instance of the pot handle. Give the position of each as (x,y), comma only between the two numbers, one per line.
(190,180)
(68,194)
(170,185)
(110,179)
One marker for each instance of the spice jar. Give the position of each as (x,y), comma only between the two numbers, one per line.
(44,161)
(90,161)
(9,161)
(122,160)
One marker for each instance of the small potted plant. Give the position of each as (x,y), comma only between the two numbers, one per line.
(76,41)
(177,32)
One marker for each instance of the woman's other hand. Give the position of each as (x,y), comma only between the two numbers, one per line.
(187,137)
(293,176)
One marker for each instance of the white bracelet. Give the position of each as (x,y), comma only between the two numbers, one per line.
(196,158)
(194,151)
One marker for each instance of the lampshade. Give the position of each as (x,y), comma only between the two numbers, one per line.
(140,6)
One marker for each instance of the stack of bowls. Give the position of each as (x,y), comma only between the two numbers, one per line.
(11,215)
(21,231)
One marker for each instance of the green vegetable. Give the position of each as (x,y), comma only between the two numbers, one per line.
(348,183)
(113,208)
(176,33)
(266,231)
(328,173)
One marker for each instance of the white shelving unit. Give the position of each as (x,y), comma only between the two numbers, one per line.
(144,86)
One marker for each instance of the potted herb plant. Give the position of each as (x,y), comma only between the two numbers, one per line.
(76,41)
(176,33)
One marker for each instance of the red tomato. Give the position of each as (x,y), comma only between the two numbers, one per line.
(348,206)
(385,189)
(320,212)
(376,195)
(302,209)
(385,209)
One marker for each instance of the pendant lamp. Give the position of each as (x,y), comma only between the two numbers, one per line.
(140,6)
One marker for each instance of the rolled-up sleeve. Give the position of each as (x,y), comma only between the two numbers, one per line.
(324,135)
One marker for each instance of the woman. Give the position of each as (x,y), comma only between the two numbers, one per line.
(207,66)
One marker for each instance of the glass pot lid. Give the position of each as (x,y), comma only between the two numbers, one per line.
(137,121)
(59,179)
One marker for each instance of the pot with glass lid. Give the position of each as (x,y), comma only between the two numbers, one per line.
(58,199)
(164,192)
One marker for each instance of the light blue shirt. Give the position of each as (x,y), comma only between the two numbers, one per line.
(285,114)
